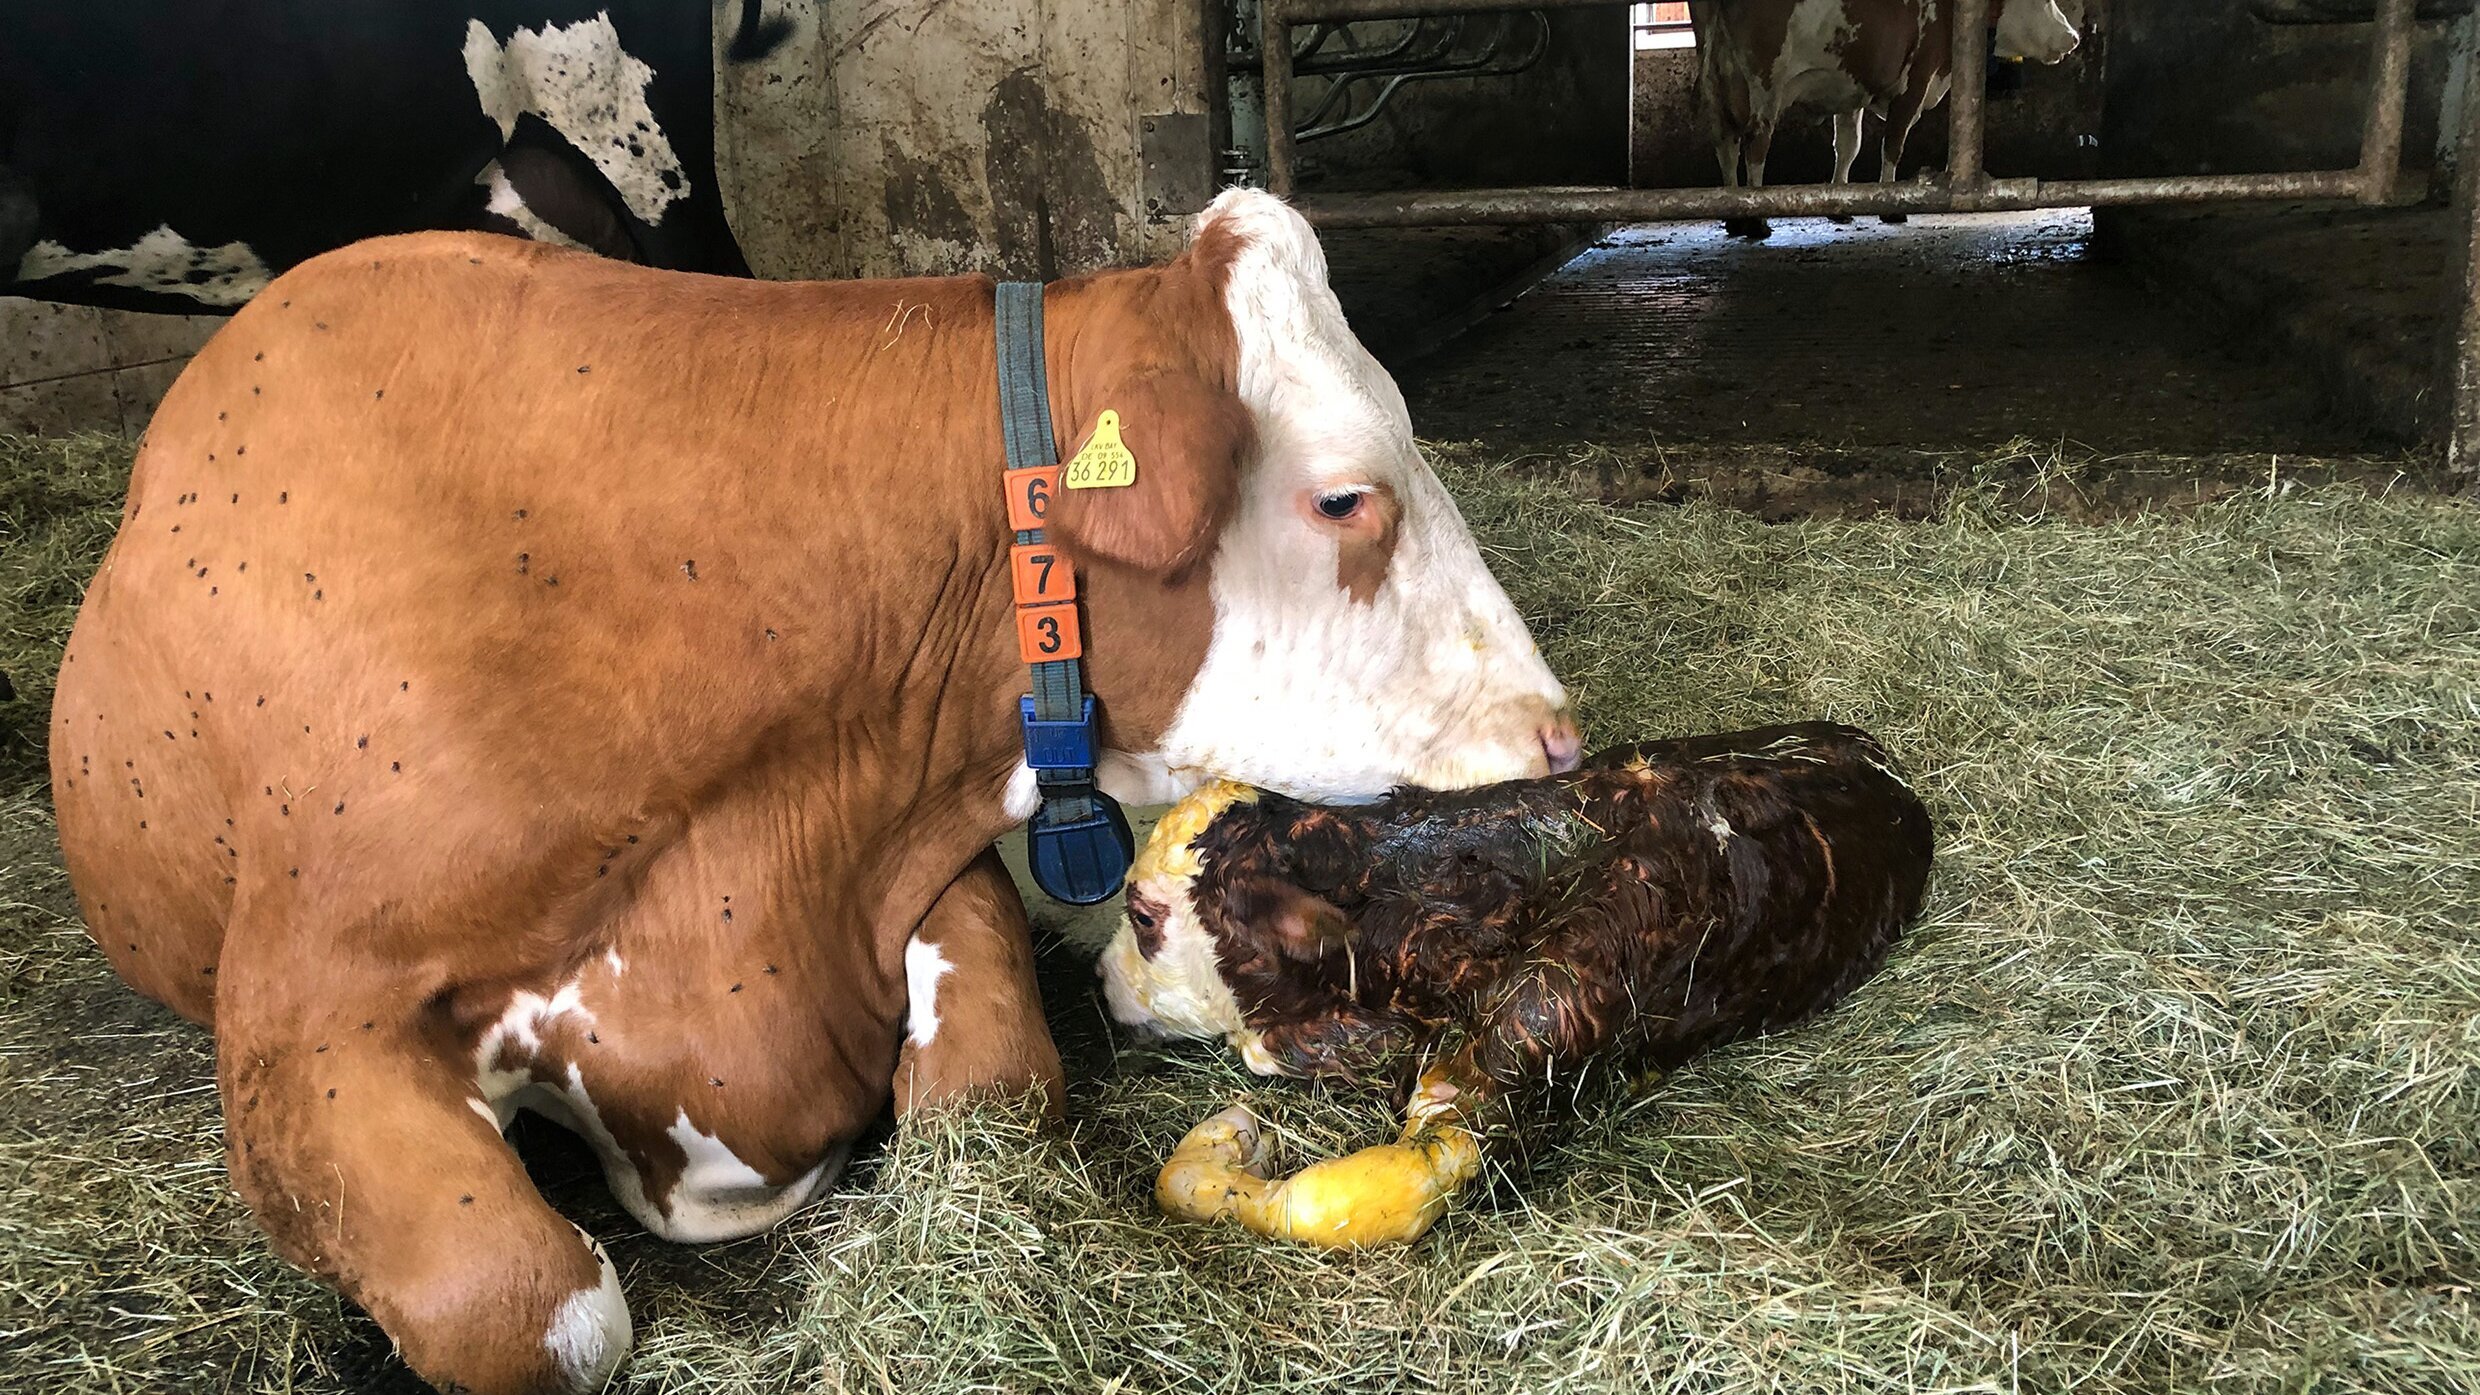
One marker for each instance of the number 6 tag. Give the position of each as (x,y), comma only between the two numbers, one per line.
(1029,493)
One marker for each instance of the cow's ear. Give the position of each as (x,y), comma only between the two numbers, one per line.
(1188,438)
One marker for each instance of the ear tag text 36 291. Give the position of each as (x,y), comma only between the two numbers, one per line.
(1104,463)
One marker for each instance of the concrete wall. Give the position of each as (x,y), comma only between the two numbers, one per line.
(2043,122)
(76,368)
(1030,138)
(1033,138)
(2197,88)
(1563,121)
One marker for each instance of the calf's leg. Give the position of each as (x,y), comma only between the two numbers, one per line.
(974,1023)
(1545,1023)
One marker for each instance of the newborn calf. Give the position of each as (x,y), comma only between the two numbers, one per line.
(1484,948)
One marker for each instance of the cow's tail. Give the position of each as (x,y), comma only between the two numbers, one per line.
(759,34)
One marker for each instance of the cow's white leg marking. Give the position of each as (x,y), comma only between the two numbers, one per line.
(719,1197)
(577,78)
(1846,142)
(509,204)
(924,966)
(164,263)
(591,1333)
(520,1027)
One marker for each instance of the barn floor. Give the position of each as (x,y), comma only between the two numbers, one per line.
(1831,369)
(2176,1087)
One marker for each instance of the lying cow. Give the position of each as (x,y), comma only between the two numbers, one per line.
(1502,943)
(174,157)
(524,680)
(1758,61)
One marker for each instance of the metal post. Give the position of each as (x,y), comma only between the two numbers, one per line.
(2381,130)
(1477,207)
(1965,99)
(2463,349)
(1274,44)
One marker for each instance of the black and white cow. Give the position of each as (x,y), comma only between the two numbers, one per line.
(171,155)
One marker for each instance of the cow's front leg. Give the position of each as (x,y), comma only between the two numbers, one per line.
(974,1025)
(1757,143)
(361,1148)
(1846,150)
(1890,145)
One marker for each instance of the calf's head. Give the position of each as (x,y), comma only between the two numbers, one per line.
(1232,919)
(2036,29)
(1358,641)
(1163,970)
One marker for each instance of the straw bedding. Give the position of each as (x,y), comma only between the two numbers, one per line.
(2176,1087)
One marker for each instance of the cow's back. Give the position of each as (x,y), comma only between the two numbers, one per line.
(448,543)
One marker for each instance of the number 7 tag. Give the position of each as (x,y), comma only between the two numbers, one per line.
(1039,575)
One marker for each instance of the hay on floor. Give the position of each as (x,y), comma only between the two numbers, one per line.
(2173,1089)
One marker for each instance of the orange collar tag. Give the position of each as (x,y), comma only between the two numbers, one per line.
(1104,463)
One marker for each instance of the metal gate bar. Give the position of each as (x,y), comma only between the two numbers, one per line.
(1965,187)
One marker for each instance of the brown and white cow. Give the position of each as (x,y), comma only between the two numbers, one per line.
(1760,60)
(524,680)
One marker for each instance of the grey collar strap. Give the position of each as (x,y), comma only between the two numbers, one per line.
(1078,840)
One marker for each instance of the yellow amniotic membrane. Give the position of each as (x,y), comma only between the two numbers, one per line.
(1383,1195)
(1167,851)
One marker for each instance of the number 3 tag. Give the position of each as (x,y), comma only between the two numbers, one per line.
(1104,463)
(1048,632)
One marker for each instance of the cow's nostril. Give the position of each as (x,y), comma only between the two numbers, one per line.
(1561,743)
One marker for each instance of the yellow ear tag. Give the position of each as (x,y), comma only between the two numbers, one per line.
(1104,463)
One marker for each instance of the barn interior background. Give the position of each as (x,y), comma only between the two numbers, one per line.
(1044,137)
(2122,526)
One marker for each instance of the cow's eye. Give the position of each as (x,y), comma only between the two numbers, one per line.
(1339,505)
(1142,918)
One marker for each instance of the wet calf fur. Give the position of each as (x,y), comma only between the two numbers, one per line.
(1504,942)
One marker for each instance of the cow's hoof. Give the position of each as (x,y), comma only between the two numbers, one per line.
(1754,229)
(1894,217)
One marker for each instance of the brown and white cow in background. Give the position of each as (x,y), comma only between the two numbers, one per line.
(525,680)
(1758,61)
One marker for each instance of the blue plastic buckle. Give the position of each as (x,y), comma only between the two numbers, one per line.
(1082,863)
(1065,745)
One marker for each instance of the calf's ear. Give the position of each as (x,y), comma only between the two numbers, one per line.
(1292,922)
(1188,438)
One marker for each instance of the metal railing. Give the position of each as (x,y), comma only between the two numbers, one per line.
(1964,187)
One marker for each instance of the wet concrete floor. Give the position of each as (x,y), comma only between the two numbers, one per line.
(1946,333)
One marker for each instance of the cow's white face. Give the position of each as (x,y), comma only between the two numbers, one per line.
(1359,642)
(2035,29)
